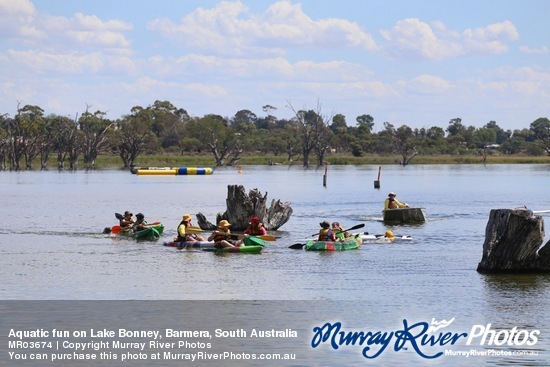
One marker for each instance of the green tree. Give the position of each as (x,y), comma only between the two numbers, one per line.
(541,129)
(220,139)
(94,127)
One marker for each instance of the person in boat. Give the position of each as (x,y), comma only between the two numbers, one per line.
(221,236)
(140,224)
(389,236)
(255,228)
(392,203)
(325,233)
(339,232)
(127,221)
(183,236)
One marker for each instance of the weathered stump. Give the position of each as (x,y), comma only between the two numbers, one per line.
(241,207)
(512,241)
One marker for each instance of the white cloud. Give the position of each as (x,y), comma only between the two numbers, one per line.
(229,28)
(414,39)
(11,8)
(535,51)
(24,25)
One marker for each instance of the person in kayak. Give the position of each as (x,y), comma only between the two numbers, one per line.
(255,228)
(127,221)
(183,236)
(325,233)
(140,224)
(339,232)
(221,236)
(392,203)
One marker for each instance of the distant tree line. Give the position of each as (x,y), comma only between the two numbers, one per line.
(308,136)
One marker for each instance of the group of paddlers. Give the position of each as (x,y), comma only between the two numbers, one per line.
(222,235)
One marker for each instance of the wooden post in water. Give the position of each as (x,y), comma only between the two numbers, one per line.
(377,182)
(325,175)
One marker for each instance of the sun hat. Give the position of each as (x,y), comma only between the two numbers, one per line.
(127,213)
(223,223)
(140,215)
(389,234)
(325,224)
(186,217)
(391,193)
(254,219)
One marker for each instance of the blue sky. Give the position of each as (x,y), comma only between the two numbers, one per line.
(419,63)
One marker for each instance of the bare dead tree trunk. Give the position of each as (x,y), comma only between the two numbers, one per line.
(512,241)
(241,207)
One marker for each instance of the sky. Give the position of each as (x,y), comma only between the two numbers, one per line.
(414,63)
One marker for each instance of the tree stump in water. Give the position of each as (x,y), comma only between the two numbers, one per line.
(512,241)
(241,207)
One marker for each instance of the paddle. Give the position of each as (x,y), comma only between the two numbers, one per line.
(346,230)
(298,246)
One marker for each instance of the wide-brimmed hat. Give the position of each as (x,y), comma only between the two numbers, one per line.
(391,193)
(388,234)
(127,213)
(325,224)
(140,215)
(223,223)
(186,217)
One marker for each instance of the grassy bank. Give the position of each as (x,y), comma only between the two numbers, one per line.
(166,160)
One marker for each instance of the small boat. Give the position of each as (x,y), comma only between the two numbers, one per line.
(172,171)
(240,250)
(195,244)
(380,238)
(152,233)
(248,241)
(404,215)
(350,243)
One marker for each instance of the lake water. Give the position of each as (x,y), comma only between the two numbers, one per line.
(54,255)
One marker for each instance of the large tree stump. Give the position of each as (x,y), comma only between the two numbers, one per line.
(512,241)
(241,207)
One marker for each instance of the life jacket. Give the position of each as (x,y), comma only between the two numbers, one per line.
(325,234)
(139,223)
(255,231)
(221,237)
(392,204)
(180,238)
(340,233)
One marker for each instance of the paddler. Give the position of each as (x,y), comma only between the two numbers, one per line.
(325,233)
(126,221)
(339,232)
(222,234)
(392,203)
(183,236)
(255,228)
(140,224)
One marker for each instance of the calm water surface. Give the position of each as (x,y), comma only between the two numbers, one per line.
(52,248)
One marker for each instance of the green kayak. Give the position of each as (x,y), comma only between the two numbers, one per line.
(152,233)
(240,250)
(253,241)
(350,243)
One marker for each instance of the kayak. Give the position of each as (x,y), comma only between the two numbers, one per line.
(248,242)
(350,243)
(404,215)
(379,238)
(196,244)
(240,250)
(151,233)
(253,241)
